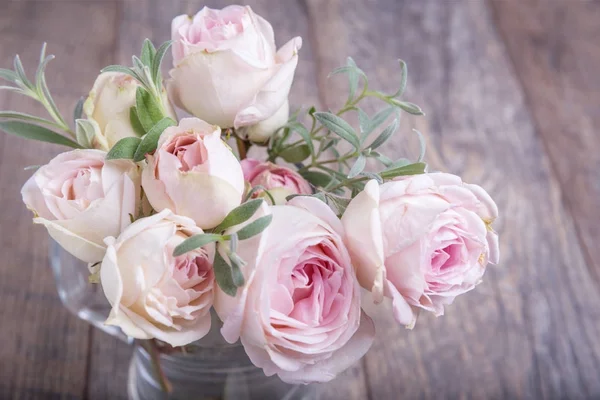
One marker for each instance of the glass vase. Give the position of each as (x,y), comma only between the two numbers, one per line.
(210,369)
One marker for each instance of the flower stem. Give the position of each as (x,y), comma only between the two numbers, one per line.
(155,357)
(243,146)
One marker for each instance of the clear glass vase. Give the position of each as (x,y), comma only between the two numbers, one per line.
(214,369)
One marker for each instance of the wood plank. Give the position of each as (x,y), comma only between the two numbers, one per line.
(142,19)
(531,329)
(44,350)
(555,51)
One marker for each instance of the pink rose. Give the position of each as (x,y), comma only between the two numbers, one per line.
(421,240)
(152,293)
(227,70)
(299,313)
(194,173)
(81,199)
(279,181)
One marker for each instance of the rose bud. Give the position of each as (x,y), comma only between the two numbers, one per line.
(194,173)
(81,199)
(227,70)
(109,104)
(152,293)
(298,315)
(421,241)
(279,181)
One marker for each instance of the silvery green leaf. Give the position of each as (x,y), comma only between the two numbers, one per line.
(123,70)
(378,119)
(385,135)
(363,121)
(401,162)
(195,242)
(150,139)
(410,108)
(233,242)
(338,126)
(137,63)
(303,132)
(147,110)
(263,190)
(236,269)
(422,144)
(358,166)
(384,160)
(352,79)
(78,111)
(39,74)
(326,144)
(160,54)
(8,75)
(318,178)
(296,154)
(255,227)
(24,117)
(403,79)
(124,149)
(340,203)
(239,214)
(411,169)
(148,52)
(223,275)
(85,133)
(35,132)
(372,175)
(135,122)
(22,77)
(31,167)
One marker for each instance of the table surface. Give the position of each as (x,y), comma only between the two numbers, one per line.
(512,95)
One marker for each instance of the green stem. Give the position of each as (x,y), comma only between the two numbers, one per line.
(155,357)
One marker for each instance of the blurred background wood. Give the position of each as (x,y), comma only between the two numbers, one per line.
(511,92)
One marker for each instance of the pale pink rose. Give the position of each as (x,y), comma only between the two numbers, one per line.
(81,199)
(298,315)
(228,72)
(194,173)
(152,293)
(279,181)
(421,241)
(108,107)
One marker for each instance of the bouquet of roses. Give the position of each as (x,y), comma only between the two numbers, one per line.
(174,218)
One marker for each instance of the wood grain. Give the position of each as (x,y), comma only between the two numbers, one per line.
(555,50)
(44,351)
(530,329)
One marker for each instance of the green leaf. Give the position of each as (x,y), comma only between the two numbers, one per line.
(135,122)
(8,75)
(383,159)
(317,178)
(338,126)
(296,154)
(352,79)
(78,111)
(24,117)
(147,110)
(422,144)
(236,269)
(21,73)
(364,122)
(403,79)
(35,132)
(150,139)
(223,275)
(411,169)
(368,127)
(239,214)
(358,166)
(148,52)
(410,108)
(85,133)
(255,227)
(303,132)
(385,135)
(160,54)
(195,242)
(123,70)
(372,175)
(124,149)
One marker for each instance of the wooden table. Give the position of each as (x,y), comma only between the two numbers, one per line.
(512,95)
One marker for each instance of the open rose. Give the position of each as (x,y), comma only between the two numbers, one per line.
(421,240)
(194,173)
(152,293)
(279,181)
(108,106)
(299,313)
(81,199)
(227,70)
